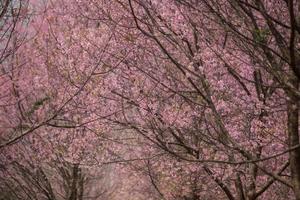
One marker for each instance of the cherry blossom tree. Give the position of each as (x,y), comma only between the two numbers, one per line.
(194,93)
(202,49)
(54,180)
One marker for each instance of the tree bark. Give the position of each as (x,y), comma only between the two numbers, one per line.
(293,139)
(73,195)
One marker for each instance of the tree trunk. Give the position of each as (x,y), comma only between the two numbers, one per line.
(73,195)
(293,139)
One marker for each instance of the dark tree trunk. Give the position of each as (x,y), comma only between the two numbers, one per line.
(293,139)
